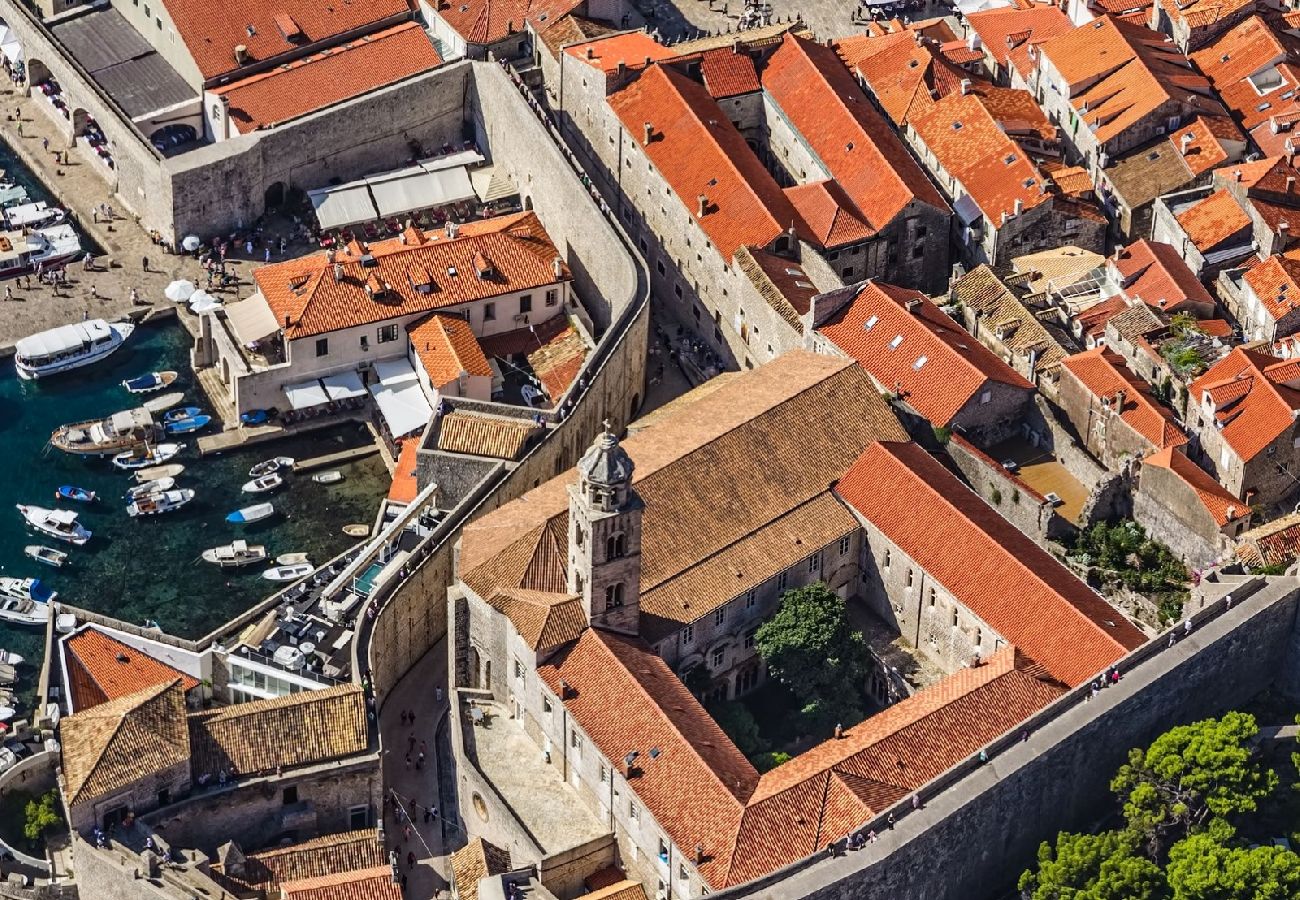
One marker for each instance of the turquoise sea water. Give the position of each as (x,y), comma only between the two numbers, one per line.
(139,569)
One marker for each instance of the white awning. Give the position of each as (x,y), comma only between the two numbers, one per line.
(10,47)
(967,209)
(340,206)
(401,399)
(343,385)
(415,188)
(252,319)
(451,160)
(306,394)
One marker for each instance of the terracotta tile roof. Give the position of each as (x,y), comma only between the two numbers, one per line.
(405,486)
(558,360)
(1221,505)
(748,562)
(810,414)
(1272,188)
(1071,179)
(1220,328)
(266,735)
(1016,112)
(475,861)
(1132,322)
(1255,47)
(974,149)
(1003,30)
(346,851)
(1272,544)
(1201,144)
(829,213)
(629,48)
(902,75)
(1276,282)
(212,29)
(114,744)
(1061,267)
(1141,175)
(101,668)
(1213,221)
(521,341)
(572,29)
(624,890)
(543,619)
(1001,313)
(1241,51)
(1154,272)
(446,346)
(728,73)
(377,883)
(1093,320)
(476,434)
(1103,373)
(306,292)
(781,282)
(989,565)
(486,22)
(701,154)
(329,77)
(824,104)
(1251,405)
(913,348)
(958,53)
(1202,13)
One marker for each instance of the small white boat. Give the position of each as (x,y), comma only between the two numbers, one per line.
(160,502)
(236,553)
(24,601)
(333,476)
(289,573)
(157,486)
(264,485)
(153,473)
(56,523)
(255,513)
(9,658)
(161,404)
(290,559)
(68,347)
(267,466)
(32,215)
(47,555)
(150,456)
(150,382)
(7,713)
(356,531)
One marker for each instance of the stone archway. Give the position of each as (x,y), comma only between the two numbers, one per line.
(37,72)
(275,196)
(80,120)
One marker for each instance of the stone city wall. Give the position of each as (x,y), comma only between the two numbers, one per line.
(1027,511)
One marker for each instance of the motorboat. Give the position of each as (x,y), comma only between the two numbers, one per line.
(187,426)
(356,531)
(72,492)
(12,194)
(289,573)
(32,215)
(290,559)
(266,467)
(24,601)
(47,555)
(156,486)
(153,473)
(164,402)
(48,247)
(254,417)
(255,513)
(159,502)
(67,347)
(10,658)
(265,484)
(56,523)
(181,412)
(150,382)
(124,430)
(236,553)
(150,456)
(333,476)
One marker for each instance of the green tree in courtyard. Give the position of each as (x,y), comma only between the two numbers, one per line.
(1203,867)
(1105,866)
(41,816)
(1189,774)
(810,646)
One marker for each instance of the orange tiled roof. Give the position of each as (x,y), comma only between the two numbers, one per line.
(953,367)
(701,154)
(1276,282)
(543,619)
(1201,142)
(101,668)
(829,213)
(376,883)
(958,53)
(728,73)
(1003,30)
(335,75)
(989,565)
(1221,505)
(305,292)
(405,487)
(1212,221)
(825,105)
(1200,13)
(1252,404)
(446,346)
(1071,180)
(903,76)
(557,361)
(572,29)
(477,434)
(1103,373)
(1253,47)
(781,282)
(486,22)
(342,852)
(212,29)
(1153,272)
(631,49)
(1093,319)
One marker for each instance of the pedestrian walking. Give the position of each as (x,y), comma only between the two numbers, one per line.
(1187,627)
(45,143)
(410,859)
(144,263)
(20,129)
(403,882)
(419,763)
(248,247)
(135,296)
(428,814)
(94,292)
(408,762)
(403,717)
(9,294)
(266,257)
(412,718)
(437,693)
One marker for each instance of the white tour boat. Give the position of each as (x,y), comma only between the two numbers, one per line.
(236,553)
(267,466)
(67,347)
(99,437)
(48,247)
(157,486)
(23,601)
(159,502)
(32,215)
(56,523)
(46,555)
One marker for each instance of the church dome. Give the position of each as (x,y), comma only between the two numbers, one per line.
(606,462)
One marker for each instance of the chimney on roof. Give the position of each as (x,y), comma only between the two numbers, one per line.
(702,206)
(965,86)
(241,54)
(913,304)
(338,272)
(557,268)
(649,131)
(699,854)
(1119,400)
(918,38)
(452,229)
(1236,174)
(1019,207)
(591,52)
(222,128)
(622,68)
(1184,143)
(973,42)
(1290,183)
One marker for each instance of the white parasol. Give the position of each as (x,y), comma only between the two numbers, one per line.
(191,243)
(202,302)
(179,291)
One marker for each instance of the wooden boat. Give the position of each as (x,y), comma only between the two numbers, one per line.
(47,555)
(124,430)
(187,426)
(156,504)
(153,473)
(24,601)
(290,559)
(264,485)
(288,573)
(158,485)
(180,412)
(148,383)
(72,492)
(164,402)
(333,476)
(236,553)
(356,531)
(249,514)
(60,524)
(267,466)
(150,456)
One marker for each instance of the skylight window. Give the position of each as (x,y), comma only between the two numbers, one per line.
(920,361)
(956,126)
(1010,158)
(805,285)
(871,323)
(894,344)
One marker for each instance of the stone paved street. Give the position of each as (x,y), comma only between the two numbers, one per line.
(826,18)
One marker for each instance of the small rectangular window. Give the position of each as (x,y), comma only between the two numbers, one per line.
(688,634)
(526,304)
(290,795)
(782,579)
(720,615)
(844,545)
(749,638)
(751,598)
(489,312)
(519,669)
(365,342)
(388,333)
(633,811)
(552,297)
(322,346)
(815,563)
(358,817)
(719,657)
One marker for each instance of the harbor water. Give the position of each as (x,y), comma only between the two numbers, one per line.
(150,568)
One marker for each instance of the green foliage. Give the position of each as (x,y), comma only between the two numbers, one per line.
(1184,324)
(810,646)
(42,815)
(1128,555)
(1103,866)
(765,761)
(739,724)
(942,435)
(1203,867)
(996,497)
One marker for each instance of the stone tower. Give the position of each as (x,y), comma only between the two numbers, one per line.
(605,537)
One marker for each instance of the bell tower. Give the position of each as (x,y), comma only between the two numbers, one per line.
(605,537)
